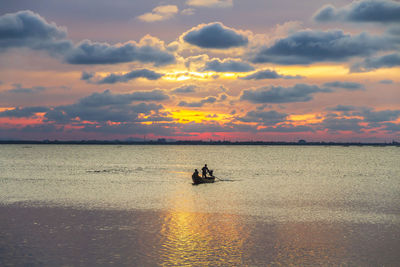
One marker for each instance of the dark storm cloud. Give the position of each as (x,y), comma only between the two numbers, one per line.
(141,73)
(264,117)
(278,94)
(23,112)
(215,35)
(191,88)
(382,11)
(351,86)
(268,74)
(306,47)
(229,65)
(387,61)
(208,100)
(28,29)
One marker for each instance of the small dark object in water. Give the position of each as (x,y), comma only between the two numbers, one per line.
(203,180)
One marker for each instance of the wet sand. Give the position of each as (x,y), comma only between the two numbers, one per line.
(55,236)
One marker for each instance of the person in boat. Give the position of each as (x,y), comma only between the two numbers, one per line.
(195,175)
(204,171)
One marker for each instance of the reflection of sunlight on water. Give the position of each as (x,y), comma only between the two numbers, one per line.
(200,239)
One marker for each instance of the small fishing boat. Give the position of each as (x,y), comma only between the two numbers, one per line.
(203,180)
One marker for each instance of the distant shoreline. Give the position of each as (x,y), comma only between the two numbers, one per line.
(163,142)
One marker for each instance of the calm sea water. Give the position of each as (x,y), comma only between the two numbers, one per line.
(300,191)
(360,184)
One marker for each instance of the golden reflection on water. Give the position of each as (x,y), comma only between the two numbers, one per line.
(208,239)
(200,239)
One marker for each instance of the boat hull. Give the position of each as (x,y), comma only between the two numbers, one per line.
(201,180)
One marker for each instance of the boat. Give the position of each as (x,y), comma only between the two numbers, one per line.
(203,180)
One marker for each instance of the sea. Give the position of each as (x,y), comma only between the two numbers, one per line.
(136,205)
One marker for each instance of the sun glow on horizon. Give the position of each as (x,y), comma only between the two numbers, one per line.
(197,116)
(304,119)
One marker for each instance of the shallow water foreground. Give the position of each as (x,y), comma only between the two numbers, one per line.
(69,237)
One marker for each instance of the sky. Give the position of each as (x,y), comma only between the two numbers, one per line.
(261,70)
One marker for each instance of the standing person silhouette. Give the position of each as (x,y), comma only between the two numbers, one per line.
(204,171)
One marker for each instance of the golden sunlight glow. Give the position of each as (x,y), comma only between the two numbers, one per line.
(186,75)
(302,119)
(314,71)
(5,109)
(187,116)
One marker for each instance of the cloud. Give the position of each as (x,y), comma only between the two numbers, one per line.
(392,127)
(268,74)
(129,129)
(90,53)
(215,35)
(191,88)
(208,100)
(141,73)
(210,3)
(383,11)
(379,116)
(18,89)
(350,86)
(227,65)
(278,94)
(188,11)
(369,64)
(386,81)
(342,108)
(264,117)
(223,97)
(28,29)
(308,46)
(23,112)
(288,128)
(107,106)
(86,76)
(107,98)
(160,13)
(340,124)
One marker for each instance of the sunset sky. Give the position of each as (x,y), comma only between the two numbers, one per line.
(270,70)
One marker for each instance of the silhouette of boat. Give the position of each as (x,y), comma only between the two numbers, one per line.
(202,180)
